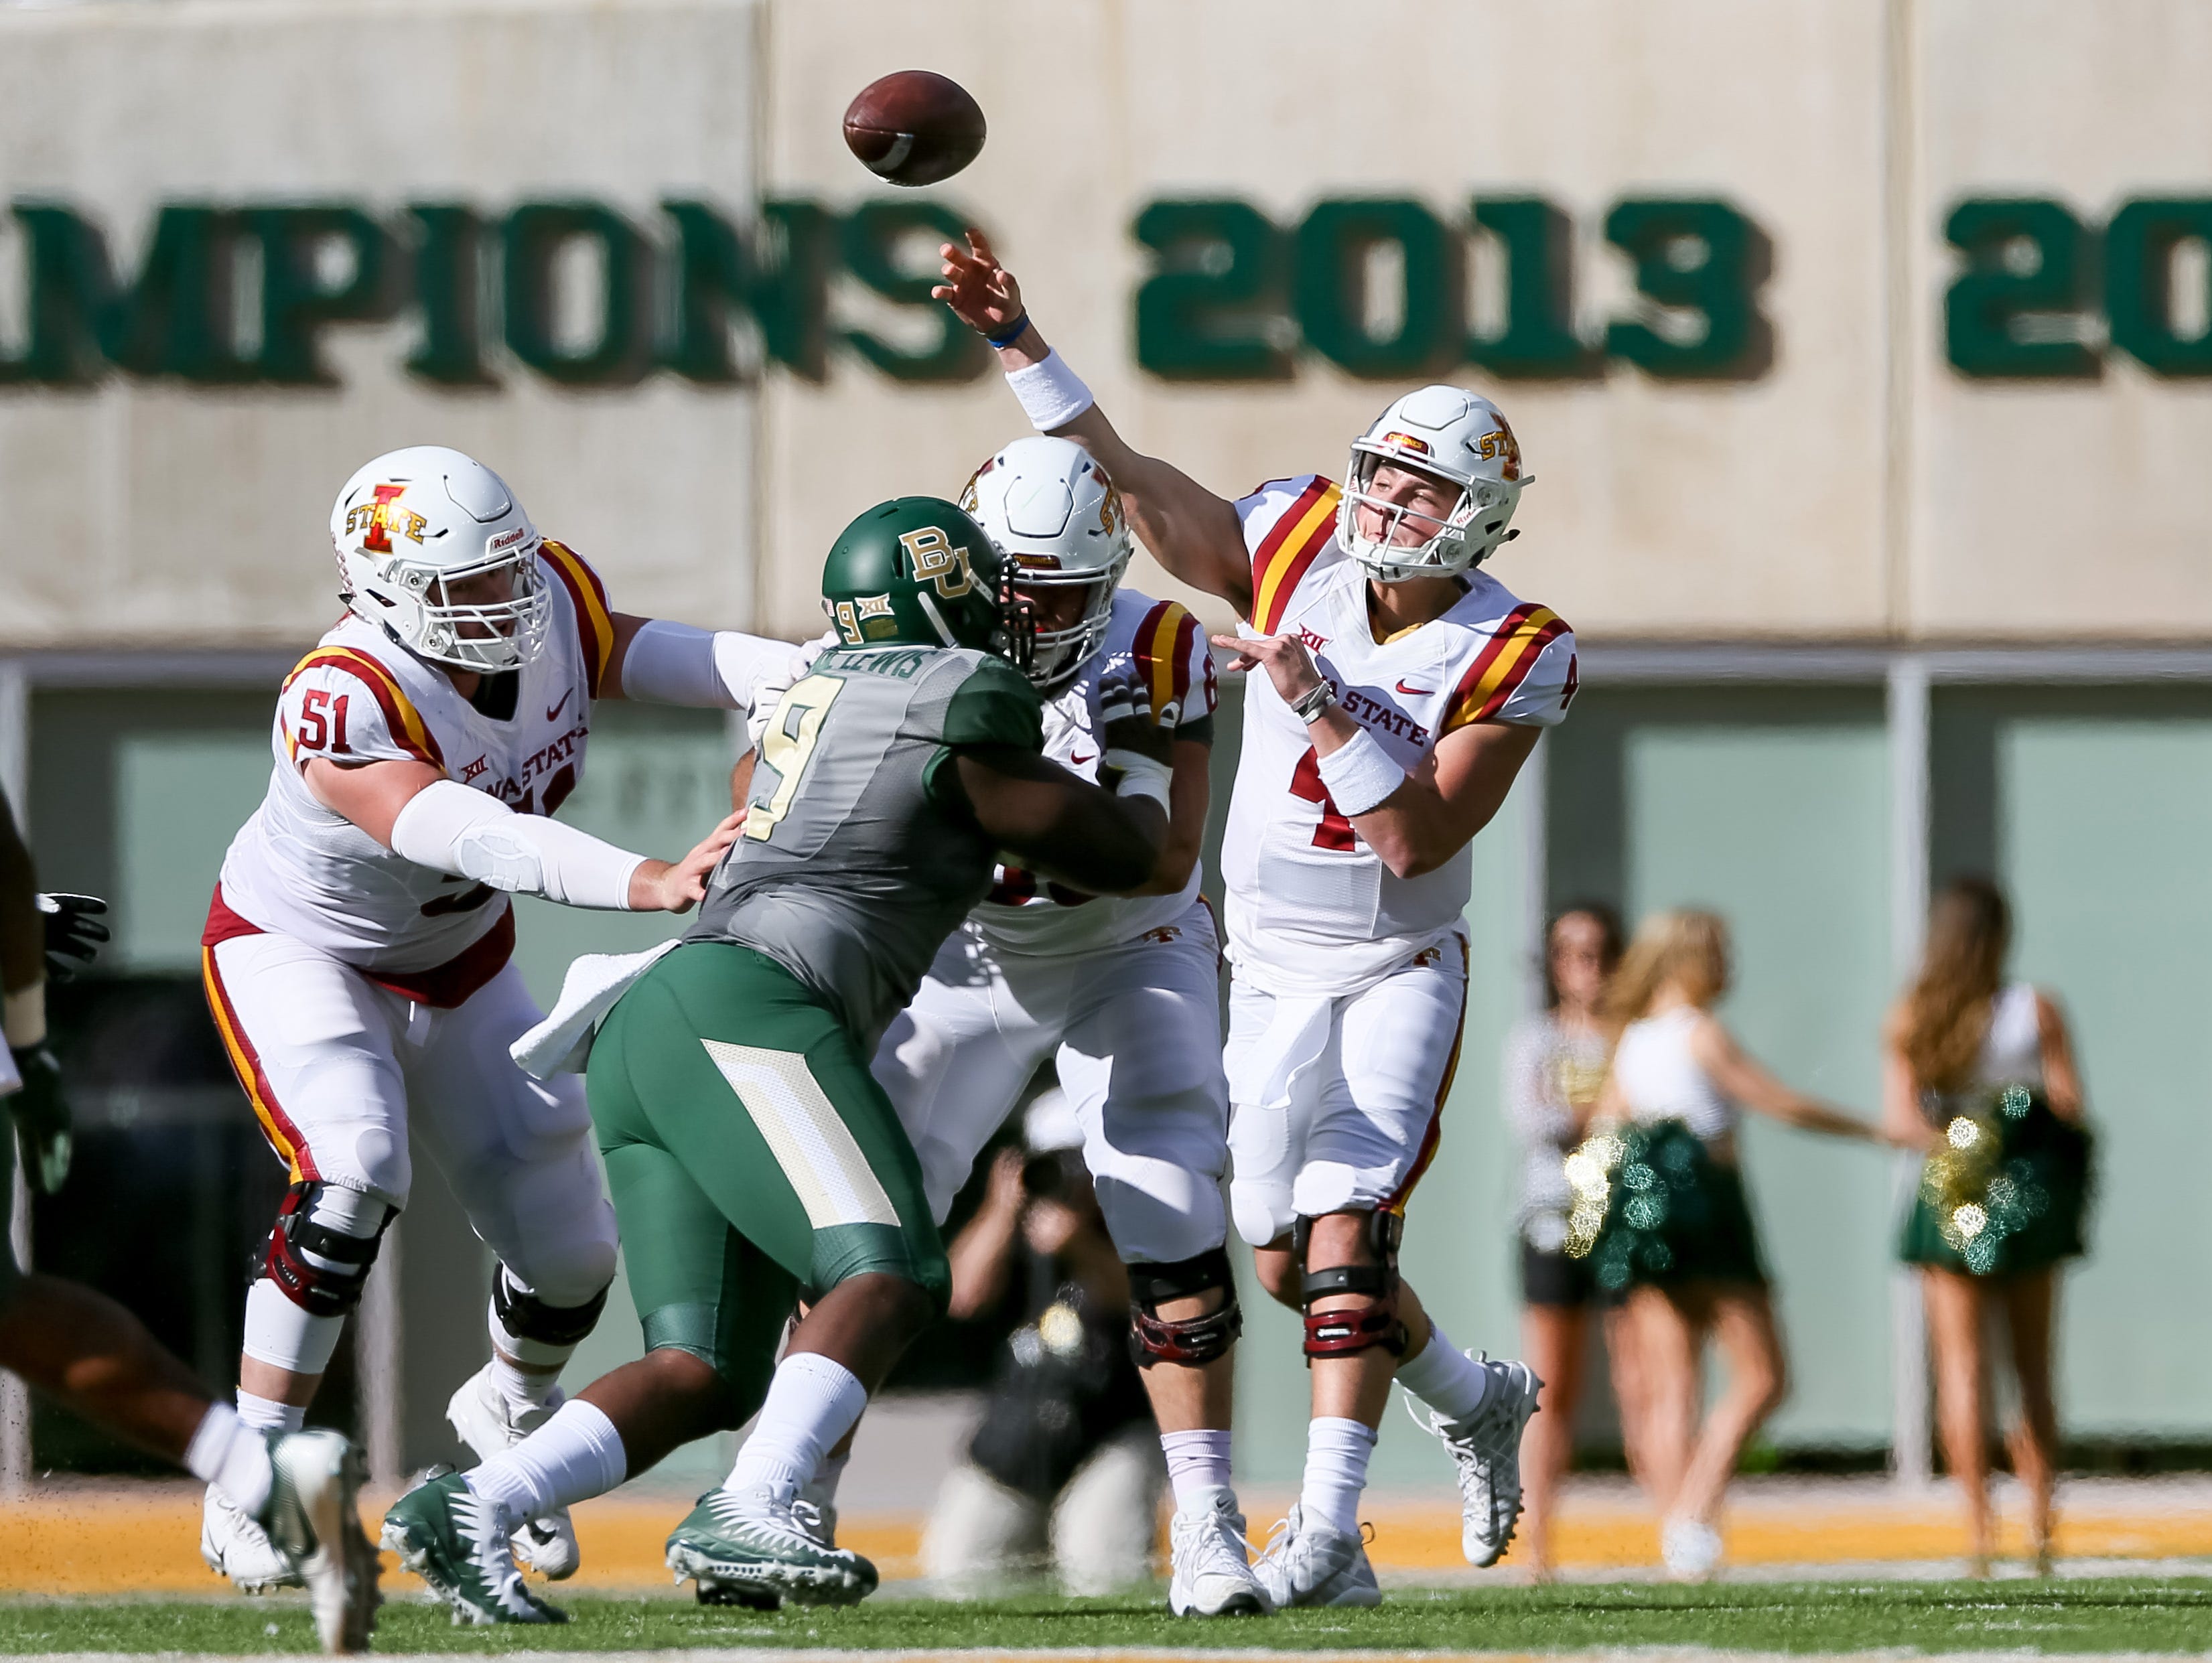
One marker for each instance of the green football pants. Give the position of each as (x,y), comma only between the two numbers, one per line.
(752,1157)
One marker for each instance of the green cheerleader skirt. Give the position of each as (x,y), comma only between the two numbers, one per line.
(2006,1191)
(1672,1213)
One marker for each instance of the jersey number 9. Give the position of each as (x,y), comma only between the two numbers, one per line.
(787,747)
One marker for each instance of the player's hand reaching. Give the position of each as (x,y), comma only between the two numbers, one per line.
(982,292)
(680,886)
(75,934)
(1285,658)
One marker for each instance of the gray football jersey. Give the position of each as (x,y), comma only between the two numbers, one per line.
(850,873)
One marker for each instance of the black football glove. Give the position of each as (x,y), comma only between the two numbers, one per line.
(74,933)
(41,1114)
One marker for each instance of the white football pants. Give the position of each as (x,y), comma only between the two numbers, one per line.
(1339,1101)
(1135,1031)
(341,1072)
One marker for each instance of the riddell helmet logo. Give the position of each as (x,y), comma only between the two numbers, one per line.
(380,518)
(1406,441)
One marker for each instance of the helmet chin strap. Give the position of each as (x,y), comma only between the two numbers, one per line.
(936,619)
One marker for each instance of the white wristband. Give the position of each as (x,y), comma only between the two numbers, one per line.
(1359,774)
(1051,394)
(1141,776)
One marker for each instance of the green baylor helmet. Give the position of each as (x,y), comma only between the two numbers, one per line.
(918,570)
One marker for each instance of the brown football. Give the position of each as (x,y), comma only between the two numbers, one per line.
(913,127)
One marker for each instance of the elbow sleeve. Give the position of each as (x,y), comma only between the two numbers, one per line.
(451,828)
(673,663)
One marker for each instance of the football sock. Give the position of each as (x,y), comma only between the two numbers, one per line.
(524,1389)
(525,1370)
(575,1455)
(267,1415)
(232,1456)
(281,1334)
(1336,1470)
(1198,1464)
(812,1402)
(822,1488)
(1444,1377)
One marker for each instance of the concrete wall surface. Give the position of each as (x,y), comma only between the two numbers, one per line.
(1843,476)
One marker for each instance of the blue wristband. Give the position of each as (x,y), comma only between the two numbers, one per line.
(1021,328)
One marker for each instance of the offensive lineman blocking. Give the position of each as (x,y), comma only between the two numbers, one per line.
(1403,690)
(753,1158)
(1122,993)
(356,951)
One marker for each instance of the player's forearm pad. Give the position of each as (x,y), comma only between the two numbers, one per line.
(450,828)
(1141,776)
(1359,774)
(673,663)
(1051,394)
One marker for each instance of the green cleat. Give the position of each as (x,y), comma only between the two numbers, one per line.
(752,1546)
(463,1547)
(314,1520)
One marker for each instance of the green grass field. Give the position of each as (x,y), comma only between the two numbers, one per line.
(2134,1614)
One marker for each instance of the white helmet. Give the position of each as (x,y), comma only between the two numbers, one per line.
(414,522)
(1462,439)
(1057,518)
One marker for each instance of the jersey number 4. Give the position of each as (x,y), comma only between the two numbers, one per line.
(788,746)
(1335,831)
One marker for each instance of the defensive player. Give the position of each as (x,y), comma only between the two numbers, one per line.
(753,1158)
(300,1489)
(1403,689)
(356,951)
(1123,995)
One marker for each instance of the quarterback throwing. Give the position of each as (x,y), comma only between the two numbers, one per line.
(1401,690)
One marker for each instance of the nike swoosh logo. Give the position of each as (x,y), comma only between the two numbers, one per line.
(1077,761)
(1416,692)
(553,714)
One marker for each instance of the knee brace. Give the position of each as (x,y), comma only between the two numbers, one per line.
(318,1255)
(1194,1341)
(1345,1332)
(527,1317)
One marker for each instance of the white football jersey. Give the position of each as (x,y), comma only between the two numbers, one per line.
(1025,913)
(1311,909)
(299,869)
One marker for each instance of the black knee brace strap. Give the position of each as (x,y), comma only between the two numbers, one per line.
(330,1288)
(1347,1332)
(528,1317)
(1191,1341)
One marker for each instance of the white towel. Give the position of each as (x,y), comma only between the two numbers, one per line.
(561,1044)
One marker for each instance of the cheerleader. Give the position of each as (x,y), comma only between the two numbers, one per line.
(1978,1073)
(1555,1063)
(1677,1246)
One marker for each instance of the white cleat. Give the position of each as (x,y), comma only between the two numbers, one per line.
(1485,1448)
(483,1419)
(1212,1575)
(1691,1548)
(814,1510)
(315,1519)
(234,1545)
(1309,1562)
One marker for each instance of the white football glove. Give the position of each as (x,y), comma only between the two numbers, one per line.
(769,692)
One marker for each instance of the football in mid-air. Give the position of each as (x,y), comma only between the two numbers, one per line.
(913,127)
